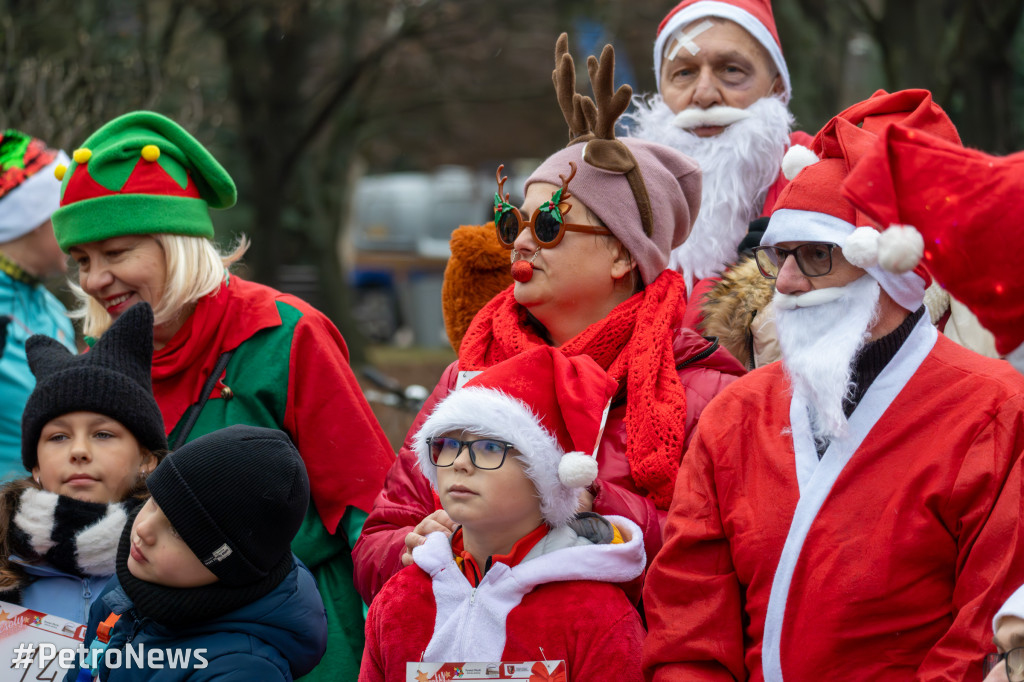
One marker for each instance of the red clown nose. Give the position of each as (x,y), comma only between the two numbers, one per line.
(522,271)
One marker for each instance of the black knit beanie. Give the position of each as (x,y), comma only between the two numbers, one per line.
(237,497)
(112,379)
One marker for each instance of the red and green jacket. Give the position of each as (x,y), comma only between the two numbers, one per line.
(290,371)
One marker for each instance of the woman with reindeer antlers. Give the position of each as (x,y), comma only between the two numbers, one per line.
(589,248)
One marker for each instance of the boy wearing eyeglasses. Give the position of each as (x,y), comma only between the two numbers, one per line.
(508,455)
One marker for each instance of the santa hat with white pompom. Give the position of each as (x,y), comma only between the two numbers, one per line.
(812,207)
(551,407)
(965,207)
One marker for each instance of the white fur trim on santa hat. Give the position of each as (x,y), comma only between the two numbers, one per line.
(722,10)
(794,225)
(1014,606)
(796,159)
(900,248)
(31,203)
(493,414)
(861,247)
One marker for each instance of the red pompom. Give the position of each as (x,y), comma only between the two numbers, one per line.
(522,271)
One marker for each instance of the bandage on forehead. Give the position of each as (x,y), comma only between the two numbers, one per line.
(682,38)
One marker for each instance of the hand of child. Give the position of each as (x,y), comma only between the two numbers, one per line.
(438,521)
(586,503)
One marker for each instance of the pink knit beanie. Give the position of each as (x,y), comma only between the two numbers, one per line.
(673,183)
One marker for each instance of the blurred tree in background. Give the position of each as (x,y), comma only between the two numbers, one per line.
(297,98)
(969,53)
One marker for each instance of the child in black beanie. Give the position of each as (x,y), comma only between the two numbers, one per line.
(91,433)
(205,573)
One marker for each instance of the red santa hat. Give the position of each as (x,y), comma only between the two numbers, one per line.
(552,408)
(965,210)
(812,206)
(754,16)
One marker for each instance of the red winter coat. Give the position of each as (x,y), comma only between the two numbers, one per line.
(535,610)
(883,561)
(704,370)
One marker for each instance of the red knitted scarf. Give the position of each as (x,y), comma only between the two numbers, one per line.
(634,344)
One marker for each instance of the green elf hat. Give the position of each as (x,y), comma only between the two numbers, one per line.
(141,173)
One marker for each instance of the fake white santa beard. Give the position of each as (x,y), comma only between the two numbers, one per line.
(819,344)
(739,165)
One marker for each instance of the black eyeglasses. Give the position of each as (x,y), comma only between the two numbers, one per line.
(813,258)
(1014,664)
(485,453)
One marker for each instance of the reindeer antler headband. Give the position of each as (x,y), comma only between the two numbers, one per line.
(592,121)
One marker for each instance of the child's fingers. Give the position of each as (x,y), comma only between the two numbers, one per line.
(413,540)
(441,516)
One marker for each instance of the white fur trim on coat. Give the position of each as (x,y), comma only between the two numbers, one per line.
(493,414)
(470,623)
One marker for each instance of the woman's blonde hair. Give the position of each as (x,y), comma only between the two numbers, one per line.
(195,268)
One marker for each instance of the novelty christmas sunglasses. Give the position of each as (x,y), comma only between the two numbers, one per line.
(548,224)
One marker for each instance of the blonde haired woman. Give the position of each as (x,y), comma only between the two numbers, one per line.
(135,218)
(193,267)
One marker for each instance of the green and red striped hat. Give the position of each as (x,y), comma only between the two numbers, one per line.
(141,173)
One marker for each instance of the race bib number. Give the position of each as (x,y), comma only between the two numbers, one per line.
(534,671)
(31,642)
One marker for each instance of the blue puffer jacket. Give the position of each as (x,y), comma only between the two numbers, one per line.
(58,593)
(278,637)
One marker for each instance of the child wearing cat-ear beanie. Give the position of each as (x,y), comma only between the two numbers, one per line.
(205,570)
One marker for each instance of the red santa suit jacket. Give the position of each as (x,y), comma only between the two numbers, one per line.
(885,560)
(704,369)
(558,603)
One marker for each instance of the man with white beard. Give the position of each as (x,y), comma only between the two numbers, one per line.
(723,90)
(852,512)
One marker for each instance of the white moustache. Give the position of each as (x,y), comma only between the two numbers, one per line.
(721,115)
(809,299)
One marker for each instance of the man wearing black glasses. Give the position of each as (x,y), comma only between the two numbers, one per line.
(851,512)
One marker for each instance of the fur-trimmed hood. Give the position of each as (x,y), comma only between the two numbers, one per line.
(732,305)
(572,553)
